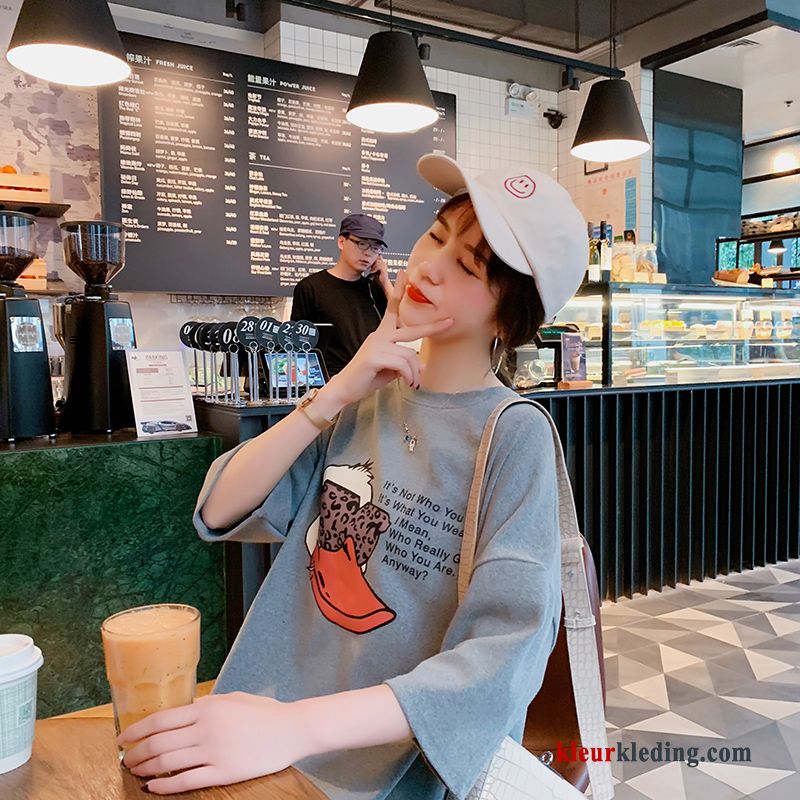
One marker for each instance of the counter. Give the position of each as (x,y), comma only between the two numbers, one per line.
(671,483)
(674,483)
(90,526)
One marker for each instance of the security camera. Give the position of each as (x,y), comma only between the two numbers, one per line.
(554,117)
(517,90)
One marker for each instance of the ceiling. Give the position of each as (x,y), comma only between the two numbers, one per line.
(766,72)
(570,25)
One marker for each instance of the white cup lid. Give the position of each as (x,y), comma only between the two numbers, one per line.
(18,656)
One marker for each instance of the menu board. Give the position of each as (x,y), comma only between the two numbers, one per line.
(231,173)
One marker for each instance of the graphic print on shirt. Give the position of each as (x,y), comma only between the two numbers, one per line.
(340,542)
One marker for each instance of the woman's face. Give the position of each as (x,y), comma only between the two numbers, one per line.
(447,277)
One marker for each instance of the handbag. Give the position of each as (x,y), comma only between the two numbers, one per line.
(513,772)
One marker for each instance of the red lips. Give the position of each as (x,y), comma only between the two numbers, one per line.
(416,295)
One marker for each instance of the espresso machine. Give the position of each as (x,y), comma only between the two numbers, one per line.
(95,329)
(26,392)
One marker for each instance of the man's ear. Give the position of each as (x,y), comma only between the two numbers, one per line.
(340,241)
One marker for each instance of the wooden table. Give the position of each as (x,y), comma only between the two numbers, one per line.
(76,759)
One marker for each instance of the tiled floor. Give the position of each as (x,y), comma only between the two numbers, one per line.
(712,664)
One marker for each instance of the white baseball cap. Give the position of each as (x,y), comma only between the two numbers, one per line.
(529,221)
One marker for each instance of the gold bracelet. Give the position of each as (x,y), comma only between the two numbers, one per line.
(317,419)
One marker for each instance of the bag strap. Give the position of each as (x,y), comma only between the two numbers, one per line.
(579,621)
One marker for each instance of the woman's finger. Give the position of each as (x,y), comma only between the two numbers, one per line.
(411,333)
(159,722)
(413,361)
(160,743)
(174,761)
(398,364)
(198,778)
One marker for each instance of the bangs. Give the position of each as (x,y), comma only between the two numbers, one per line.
(464,217)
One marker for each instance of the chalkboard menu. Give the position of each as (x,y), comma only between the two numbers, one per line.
(231,173)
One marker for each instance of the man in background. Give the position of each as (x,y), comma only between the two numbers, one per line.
(351,296)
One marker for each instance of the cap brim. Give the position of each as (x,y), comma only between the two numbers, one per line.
(443,173)
(364,235)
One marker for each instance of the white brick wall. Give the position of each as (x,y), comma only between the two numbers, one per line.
(485,136)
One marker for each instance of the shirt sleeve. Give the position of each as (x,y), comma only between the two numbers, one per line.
(271,521)
(462,702)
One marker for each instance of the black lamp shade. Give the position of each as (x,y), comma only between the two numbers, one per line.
(74,42)
(776,246)
(611,127)
(391,94)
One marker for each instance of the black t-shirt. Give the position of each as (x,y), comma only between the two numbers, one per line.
(354,308)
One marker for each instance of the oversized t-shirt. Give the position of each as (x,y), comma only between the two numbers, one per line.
(363,590)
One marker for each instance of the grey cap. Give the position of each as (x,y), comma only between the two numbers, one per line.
(362,225)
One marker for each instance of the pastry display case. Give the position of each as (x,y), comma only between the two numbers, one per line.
(642,334)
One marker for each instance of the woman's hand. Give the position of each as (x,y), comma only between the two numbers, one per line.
(381,358)
(220,739)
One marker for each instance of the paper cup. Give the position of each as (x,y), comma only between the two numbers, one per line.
(20,660)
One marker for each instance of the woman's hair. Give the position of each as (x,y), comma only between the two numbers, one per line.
(519,306)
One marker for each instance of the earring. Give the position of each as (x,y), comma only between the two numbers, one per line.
(495,345)
(494,362)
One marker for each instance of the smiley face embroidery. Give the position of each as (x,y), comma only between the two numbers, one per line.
(521,186)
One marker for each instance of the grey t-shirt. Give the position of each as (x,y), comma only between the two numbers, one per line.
(363,590)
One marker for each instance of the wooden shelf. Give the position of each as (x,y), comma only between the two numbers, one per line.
(35,209)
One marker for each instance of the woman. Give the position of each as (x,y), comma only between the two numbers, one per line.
(355,662)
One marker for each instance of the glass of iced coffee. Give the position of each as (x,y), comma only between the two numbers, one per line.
(151,657)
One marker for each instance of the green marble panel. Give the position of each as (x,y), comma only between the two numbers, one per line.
(86,531)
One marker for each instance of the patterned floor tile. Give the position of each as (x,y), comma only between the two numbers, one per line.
(683,597)
(671,723)
(665,782)
(743,778)
(699,786)
(621,640)
(783,649)
(751,664)
(791,678)
(783,575)
(716,588)
(649,656)
(681,693)
(726,609)
(700,646)
(751,636)
(789,787)
(783,626)
(724,717)
(691,619)
(766,707)
(658,629)
(712,664)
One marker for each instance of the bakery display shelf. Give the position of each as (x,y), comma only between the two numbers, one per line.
(684,342)
(794,233)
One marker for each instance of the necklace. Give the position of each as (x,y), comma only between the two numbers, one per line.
(409,438)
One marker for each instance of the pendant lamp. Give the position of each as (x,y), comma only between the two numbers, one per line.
(71,42)
(391,94)
(776,246)
(611,127)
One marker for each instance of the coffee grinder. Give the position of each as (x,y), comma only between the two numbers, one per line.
(96,329)
(26,392)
